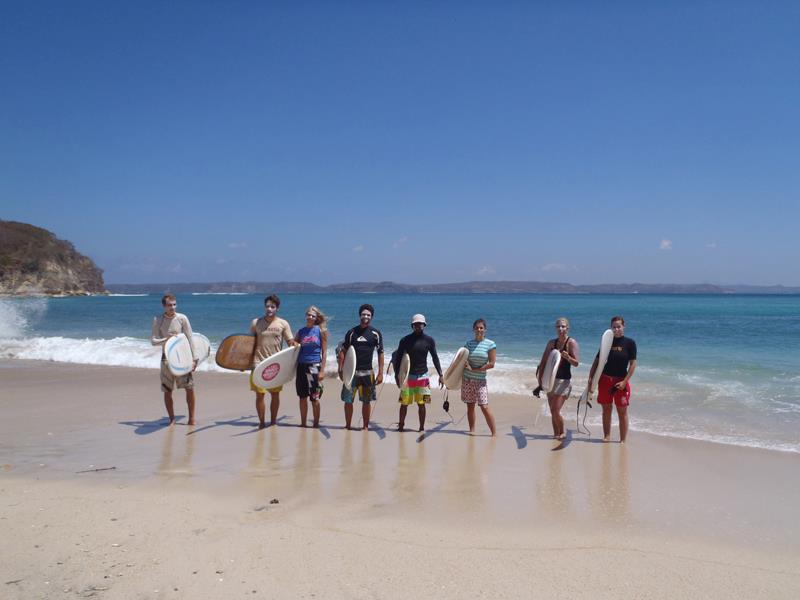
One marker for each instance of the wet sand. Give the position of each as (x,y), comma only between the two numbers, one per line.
(379,514)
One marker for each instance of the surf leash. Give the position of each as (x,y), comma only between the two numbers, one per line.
(586,398)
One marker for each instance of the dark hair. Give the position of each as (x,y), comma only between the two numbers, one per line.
(617,318)
(166,297)
(475,324)
(369,307)
(273,299)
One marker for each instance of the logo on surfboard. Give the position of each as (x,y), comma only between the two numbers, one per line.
(270,372)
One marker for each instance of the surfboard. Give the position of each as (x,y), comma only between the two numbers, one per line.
(278,369)
(349,367)
(550,370)
(453,374)
(179,355)
(202,347)
(602,358)
(405,367)
(236,352)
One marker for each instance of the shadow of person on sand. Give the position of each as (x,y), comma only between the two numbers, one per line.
(521,438)
(148,427)
(440,429)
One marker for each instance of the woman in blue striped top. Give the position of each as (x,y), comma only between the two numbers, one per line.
(482,355)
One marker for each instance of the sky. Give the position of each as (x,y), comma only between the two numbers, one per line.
(583,142)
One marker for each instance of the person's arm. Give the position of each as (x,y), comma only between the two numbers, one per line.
(592,370)
(571,353)
(436,364)
(155,337)
(288,337)
(490,363)
(253,329)
(323,355)
(379,380)
(631,368)
(187,330)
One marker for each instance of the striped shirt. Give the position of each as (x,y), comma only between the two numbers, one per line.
(478,356)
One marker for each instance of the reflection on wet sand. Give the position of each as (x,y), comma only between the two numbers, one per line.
(553,489)
(612,498)
(176,462)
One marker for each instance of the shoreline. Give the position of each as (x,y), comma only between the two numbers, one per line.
(685,518)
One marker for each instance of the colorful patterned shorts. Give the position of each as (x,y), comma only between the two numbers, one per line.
(474,391)
(416,391)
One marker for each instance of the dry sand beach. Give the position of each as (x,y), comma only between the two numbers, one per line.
(223,510)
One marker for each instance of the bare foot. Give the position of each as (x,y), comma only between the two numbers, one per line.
(191,423)
(316,425)
(262,425)
(606,439)
(561,436)
(421,429)
(401,427)
(172,422)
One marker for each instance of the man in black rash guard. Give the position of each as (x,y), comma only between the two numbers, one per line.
(417,389)
(365,339)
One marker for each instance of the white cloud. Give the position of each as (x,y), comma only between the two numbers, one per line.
(711,245)
(665,245)
(549,267)
(400,242)
(176,269)
(358,248)
(487,270)
(237,245)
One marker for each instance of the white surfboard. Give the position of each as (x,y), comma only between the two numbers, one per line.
(454,373)
(349,367)
(202,347)
(179,355)
(405,367)
(602,358)
(550,370)
(278,369)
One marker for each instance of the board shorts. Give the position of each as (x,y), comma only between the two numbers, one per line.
(363,385)
(417,390)
(306,381)
(474,391)
(562,387)
(260,390)
(606,394)
(169,381)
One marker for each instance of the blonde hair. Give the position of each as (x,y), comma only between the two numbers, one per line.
(321,318)
(565,319)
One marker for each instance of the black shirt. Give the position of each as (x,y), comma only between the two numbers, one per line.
(417,347)
(623,350)
(365,340)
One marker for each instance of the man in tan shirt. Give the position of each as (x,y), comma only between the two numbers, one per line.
(270,331)
(165,326)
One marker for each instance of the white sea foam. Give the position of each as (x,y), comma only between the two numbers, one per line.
(17,315)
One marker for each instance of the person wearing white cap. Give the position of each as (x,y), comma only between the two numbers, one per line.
(417,389)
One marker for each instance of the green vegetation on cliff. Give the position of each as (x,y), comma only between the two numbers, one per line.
(34,261)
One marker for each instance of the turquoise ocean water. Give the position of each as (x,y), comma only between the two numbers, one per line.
(718,368)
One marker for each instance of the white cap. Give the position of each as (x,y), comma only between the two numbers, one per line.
(418,318)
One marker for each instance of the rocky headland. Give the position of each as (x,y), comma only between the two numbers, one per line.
(33,261)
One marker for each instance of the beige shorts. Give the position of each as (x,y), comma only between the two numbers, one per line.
(562,387)
(169,382)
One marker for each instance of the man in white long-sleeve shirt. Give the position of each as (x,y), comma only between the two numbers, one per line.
(165,326)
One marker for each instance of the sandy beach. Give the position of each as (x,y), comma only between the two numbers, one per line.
(99,498)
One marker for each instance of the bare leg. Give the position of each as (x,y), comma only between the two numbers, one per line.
(274,405)
(315,409)
(556,404)
(169,406)
(366,409)
(303,411)
(622,414)
(261,410)
(190,397)
(403,410)
(471,416)
(348,414)
(606,422)
(422,417)
(489,419)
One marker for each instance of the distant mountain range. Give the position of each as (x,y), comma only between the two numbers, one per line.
(468,287)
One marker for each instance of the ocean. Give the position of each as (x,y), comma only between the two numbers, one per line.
(721,368)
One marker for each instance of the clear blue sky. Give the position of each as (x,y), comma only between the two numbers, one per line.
(585,142)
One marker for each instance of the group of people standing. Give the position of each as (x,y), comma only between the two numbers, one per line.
(272,332)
